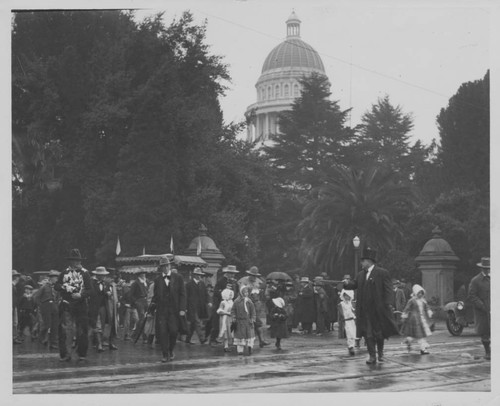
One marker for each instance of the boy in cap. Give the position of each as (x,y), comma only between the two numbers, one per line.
(49,309)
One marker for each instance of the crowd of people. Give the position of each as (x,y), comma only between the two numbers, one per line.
(76,309)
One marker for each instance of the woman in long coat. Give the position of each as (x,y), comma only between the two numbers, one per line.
(278,318)
(243,313)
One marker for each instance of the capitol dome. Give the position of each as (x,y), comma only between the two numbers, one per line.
(293,53)
(279,83)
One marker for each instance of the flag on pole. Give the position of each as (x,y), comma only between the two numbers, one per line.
(118,247)
(198,248)
(171,244)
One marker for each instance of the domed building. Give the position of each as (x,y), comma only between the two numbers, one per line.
(278,84)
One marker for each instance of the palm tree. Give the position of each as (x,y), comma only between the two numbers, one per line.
(369,203)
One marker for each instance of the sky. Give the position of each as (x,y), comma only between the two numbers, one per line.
(417,53)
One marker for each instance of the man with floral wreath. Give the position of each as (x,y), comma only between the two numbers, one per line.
(74,286)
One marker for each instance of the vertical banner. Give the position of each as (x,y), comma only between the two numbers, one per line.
(118,247)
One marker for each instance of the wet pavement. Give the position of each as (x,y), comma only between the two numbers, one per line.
(307,363)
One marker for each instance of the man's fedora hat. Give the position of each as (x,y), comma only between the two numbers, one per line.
(75,255)
(304,279)
(198,271)
(369,253)
(100,270)
(230,269)
(253,271)
(15,273)
(53,272)
(166,260)
(485,262)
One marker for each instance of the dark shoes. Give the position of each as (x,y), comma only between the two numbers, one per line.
(381,357)
(262,344)
(424,352)
(351,351)
(113,347)
(203,341)
(66,358)
(372,360)
(168,357)
(227,349)
(249,350)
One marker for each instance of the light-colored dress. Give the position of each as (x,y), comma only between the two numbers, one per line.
(225,319)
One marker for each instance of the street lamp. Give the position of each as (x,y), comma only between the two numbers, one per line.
(355,242)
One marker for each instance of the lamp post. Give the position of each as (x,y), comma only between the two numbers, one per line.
(355,243)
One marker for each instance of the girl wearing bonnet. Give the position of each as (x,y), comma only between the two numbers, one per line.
(278,317)
(243,313)
(224,311)
(416,320)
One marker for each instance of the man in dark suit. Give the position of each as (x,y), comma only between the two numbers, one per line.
(169,301)
(197,300)
(479,294)
(138,299)
(374,313)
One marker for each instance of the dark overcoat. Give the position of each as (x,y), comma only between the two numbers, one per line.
(197,299)
(378,291)
(245,320)
(305,305)
(164,307)
(479,294)
(278,317)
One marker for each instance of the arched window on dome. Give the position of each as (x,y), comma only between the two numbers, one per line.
(269,93)
(277,91)
(262,94)
(286,91)
(296,90)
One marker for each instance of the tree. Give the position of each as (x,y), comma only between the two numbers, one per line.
(370,204)
(312,136)
(464,128)
(384,141)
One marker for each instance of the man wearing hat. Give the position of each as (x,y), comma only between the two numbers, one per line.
(169,302)
(99,312)
(73,284)
(479,293)
(197,301)
(306,307)
(226,281)
(49,309)
(15,299)
(139,299)
(26,312)
(374,314)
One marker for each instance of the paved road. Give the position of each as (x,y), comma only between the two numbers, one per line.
(307,364)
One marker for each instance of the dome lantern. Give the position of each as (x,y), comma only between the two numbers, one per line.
(293,26)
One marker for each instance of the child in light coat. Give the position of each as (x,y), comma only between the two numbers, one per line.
(224,311)
(347,313)
(416,320)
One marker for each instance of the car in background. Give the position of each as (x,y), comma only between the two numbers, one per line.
(460,314)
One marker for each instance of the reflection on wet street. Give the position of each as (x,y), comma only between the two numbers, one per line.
(306,364)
